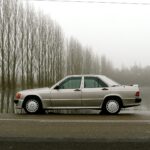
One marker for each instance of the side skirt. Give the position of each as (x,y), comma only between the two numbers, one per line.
(68,108)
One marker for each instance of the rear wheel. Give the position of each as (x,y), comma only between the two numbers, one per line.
(111,106)
(33,106)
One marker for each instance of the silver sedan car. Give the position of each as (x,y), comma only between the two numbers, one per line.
(80,92)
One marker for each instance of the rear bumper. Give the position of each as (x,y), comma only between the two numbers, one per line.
(132,102)
(138,100)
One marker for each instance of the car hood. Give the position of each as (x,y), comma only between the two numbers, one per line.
(37,91)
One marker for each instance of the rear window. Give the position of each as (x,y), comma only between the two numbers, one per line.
(93,82)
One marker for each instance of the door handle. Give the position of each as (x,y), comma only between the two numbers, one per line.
(77,90)
(104,89)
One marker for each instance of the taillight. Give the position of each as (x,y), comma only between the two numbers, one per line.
(137,94)
(18,95)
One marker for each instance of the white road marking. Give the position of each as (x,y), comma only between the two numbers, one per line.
(76,121)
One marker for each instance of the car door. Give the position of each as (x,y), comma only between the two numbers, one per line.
(93,92)
(68,93)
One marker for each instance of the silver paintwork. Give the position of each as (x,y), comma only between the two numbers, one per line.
(91,98)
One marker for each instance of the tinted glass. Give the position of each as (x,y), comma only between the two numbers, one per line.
(93,82)
(71,83)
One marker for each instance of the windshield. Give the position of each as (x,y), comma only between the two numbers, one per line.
(109,81)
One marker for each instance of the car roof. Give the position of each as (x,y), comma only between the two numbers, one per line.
(86,75)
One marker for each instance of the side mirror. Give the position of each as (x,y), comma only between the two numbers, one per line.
(57,87)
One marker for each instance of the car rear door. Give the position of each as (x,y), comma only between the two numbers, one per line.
(93,92)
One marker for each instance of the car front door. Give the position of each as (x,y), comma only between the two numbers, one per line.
(93,92)
(68,93)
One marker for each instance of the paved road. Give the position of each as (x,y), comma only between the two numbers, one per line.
(128,130)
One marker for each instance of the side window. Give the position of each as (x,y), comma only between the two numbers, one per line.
(71,83)
(93,82)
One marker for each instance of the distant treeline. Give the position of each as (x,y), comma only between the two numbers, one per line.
(133,75)
(35,53)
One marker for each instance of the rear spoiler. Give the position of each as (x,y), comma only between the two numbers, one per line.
(135,85)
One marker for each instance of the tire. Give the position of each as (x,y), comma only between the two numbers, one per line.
(111,106)
(32,106)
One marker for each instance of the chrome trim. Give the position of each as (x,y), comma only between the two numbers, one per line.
(72,107)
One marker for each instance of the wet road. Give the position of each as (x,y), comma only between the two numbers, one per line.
(128,130)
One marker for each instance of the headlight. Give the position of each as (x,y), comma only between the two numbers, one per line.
(18,95)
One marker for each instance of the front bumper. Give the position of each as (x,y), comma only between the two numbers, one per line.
(18,103)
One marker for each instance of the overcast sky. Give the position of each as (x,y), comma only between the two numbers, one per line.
(121,32)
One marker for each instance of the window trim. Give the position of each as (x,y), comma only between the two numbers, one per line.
(65,80)
(94,87)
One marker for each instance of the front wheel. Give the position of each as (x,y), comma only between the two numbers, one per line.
(32,106)
(111,106)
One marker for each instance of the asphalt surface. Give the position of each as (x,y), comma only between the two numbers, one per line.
(127,131)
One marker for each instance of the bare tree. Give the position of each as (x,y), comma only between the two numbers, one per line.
(8,49)
(2,48)
(22,43)
(74,57)
(15,50)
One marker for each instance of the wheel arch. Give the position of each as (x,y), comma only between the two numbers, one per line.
(32,96)
(116,97)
